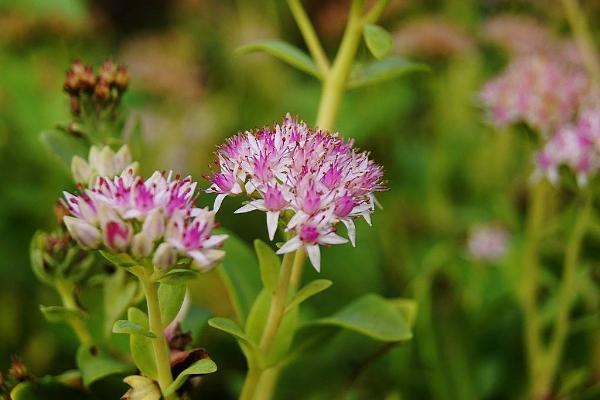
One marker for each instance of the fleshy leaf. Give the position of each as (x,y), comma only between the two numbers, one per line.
(200,367)
(60,314)
(141,348)
(131,328)
(378,40)
(178,276)
(373,316)
(64,145)
(285,52)
(269,264)
(94,365)
(118,294)
(123,260)
(228,326)
(383,70)
(308,291)
(170,298)
(195,321)
(240,274)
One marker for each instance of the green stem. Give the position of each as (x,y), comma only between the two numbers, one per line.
(66,290)
(278,302)
(583,37)
(334,82)
(530,262)
(567,288)
(159,343)
(297,269)
(252,378)
(309,35)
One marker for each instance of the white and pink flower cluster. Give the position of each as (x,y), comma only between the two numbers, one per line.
(541,91)
(153,219)
(310,179)
(488,243)
(575,145)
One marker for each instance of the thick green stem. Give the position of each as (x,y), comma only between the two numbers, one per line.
(252,378)
(66,290)
(567,289)
(334,82)
(297,269)
(309,35)
(583,37)
(528,294)
(159,343)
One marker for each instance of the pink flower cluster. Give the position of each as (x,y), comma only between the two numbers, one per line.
(488,243)
(154,219)
(574,145)
(311,179)
(541,91)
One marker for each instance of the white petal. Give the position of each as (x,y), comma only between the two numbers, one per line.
(367,217)
(272,221)
(296,219)
(333,238)
(218,201)
(245,208)
(214,240)
(315,256)
(351,228)
(291,245)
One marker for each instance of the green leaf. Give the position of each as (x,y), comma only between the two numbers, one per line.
(200,367)
(178,276)
(45,390)
(269,264)
(60,314)
(123,260)
(64,145)
(285,52)
(94,365)
(408,308)
(258,316)
(170,298)
(308,291)
(195,321)
(240,274)
(141,348)
(383,70)
(378,40)
(131,328)
(228,326)
(119,293)
(373,316)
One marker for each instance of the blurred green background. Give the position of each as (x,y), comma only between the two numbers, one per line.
(447,171)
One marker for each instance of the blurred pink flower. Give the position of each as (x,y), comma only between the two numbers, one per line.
(488,243)
(311,178)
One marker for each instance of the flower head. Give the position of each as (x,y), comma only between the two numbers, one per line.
(541,91)
(309,179)
(488,243)
(574,145)
(153,218)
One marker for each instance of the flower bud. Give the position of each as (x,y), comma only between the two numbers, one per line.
(81,170)
(104,166)
(141,245)
(121,78)
(108,71)
(102,91)
(165,256)
(117,235)
(154,225)
(86,235)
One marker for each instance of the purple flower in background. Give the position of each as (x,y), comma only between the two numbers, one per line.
(309,179)
(541,91)
(153,218)
(575,146)
(488,243)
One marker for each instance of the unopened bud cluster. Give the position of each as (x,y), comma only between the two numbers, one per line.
(103,88)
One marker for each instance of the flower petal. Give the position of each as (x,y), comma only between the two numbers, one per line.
(272,221)
(291,245)
(314,255)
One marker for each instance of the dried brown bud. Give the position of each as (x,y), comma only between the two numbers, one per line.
(71,84)
(102,91)
(122,78)
(18,370)
(87,79)
(60,211)
(108,71)
(74,104)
